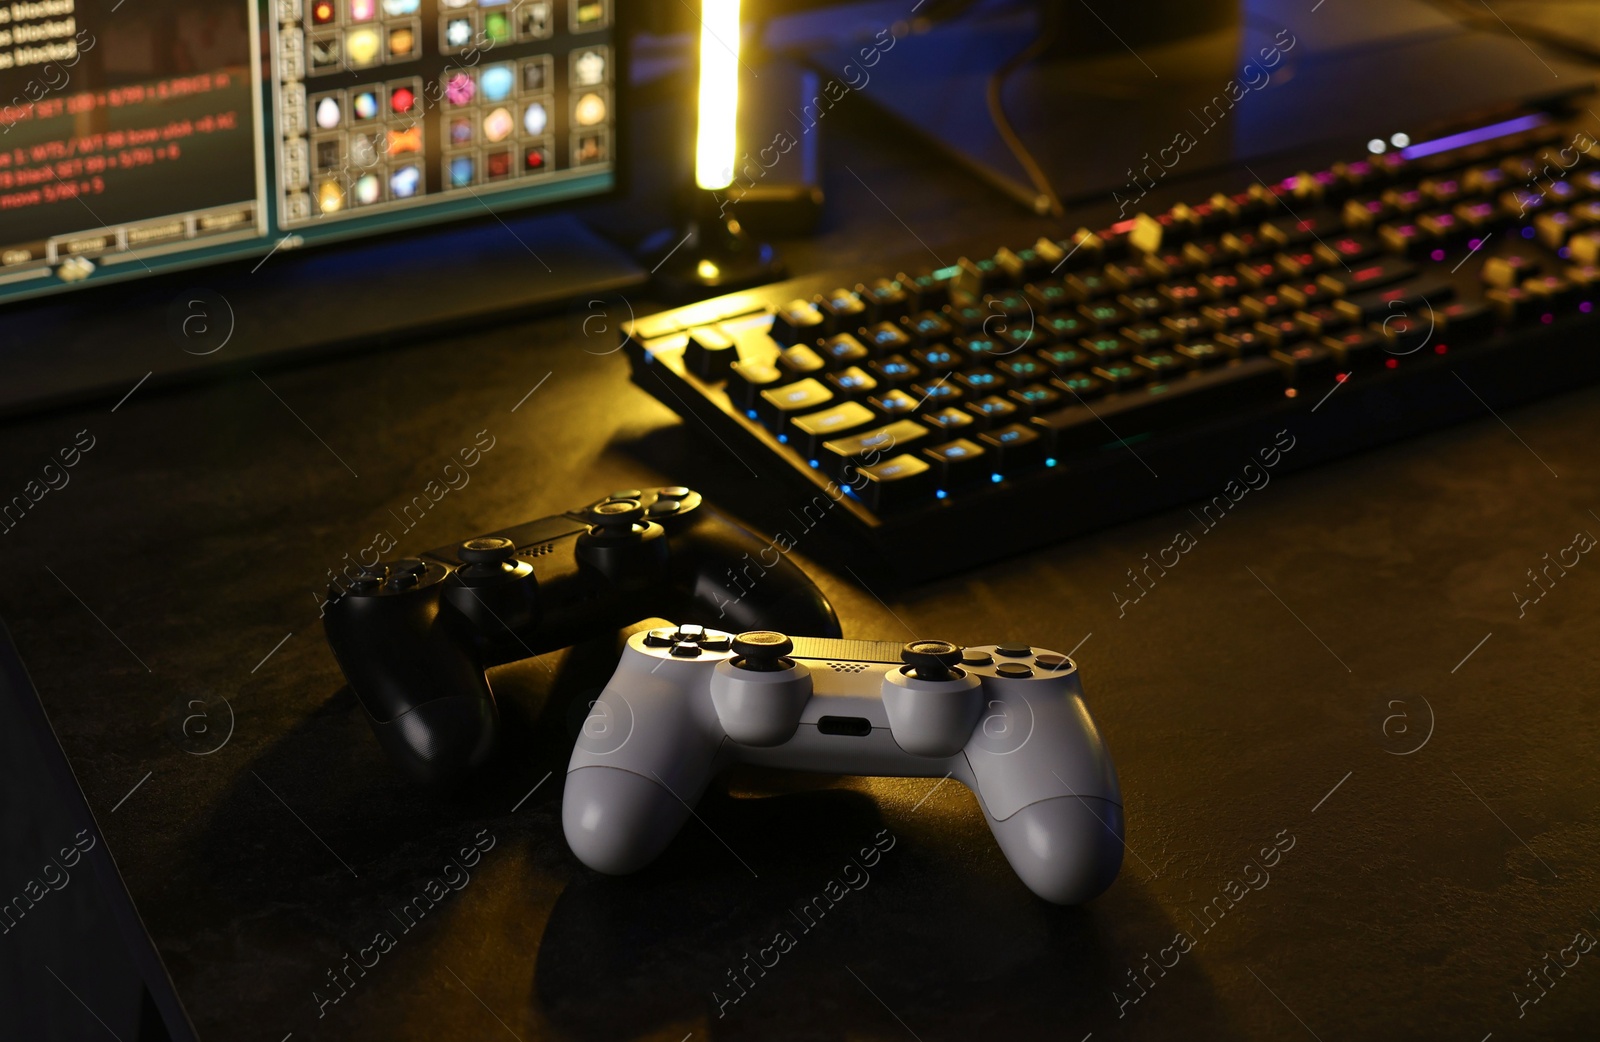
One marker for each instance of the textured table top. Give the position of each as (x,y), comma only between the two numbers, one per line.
(1357,754)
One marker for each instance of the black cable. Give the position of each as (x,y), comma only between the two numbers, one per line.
(1046,200)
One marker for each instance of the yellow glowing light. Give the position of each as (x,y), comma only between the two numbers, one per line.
(709,271)
(719,94)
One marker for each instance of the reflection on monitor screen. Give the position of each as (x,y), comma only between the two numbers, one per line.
(137,136)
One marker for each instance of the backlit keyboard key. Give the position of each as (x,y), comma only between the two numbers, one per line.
(797,322)
(843,351)
(778,404)
(957,463)
(900,481)
(894,370)
(1015,447)
(853,382)
(808,432)
(873,446)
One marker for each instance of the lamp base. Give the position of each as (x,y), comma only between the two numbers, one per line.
(713,255)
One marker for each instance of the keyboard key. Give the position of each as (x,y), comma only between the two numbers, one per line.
(850,383)
(1280,331)
(1106,346)
(1022,370)
(925,327)
(977,277)
(841,310)
(885,300)
(885,338)
(873,445)
(1347,249)
(808,432)
(1363,277)
(1081,387)
(1086,286)
(893,405)
(800,360)
(894,370)
(777,405)
(1319,321)
(1551,291)
(959,462)
(1243,343)
(935,396)
(746,381)
(1264,272)
(1305,293)
(980,382)
(709,353)
(1203,353)
(1105,315)
(1145,304)
(797,322)
(924,292)
(1164,365)
(1408,298)
(971,318)
(1034,398)
(937,359)
(901,481)
(842,351)
(1510,270)
(981,350)
(1127,275)
(1160,406)
(1477,217)
(1064,328)
(1405,240)
(1221,317)
(1265,304)
(1066,358)
(1182,296)
(1219,285)
(950,419)
(1145,336)
(1306,365)
(1119,376)
(991,411)
(1300,262)
(1185,327)
(1047,296)
(1014,448)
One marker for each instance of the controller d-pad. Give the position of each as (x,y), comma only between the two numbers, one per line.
(686,649)
(661,638)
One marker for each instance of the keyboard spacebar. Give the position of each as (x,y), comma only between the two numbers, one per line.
(1193,398)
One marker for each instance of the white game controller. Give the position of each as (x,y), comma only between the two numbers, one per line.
(1007,721)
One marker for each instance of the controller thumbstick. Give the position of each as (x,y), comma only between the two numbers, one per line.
(761,651)
(932,659)
(615,518)
(487,551)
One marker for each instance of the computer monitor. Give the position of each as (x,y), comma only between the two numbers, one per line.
(138,136)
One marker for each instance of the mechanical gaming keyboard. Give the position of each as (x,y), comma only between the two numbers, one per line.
(1018,398)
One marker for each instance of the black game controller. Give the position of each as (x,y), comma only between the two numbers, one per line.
(414,636)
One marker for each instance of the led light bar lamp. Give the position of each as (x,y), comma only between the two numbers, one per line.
(716,253)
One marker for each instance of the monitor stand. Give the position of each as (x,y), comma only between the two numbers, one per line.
(1358,68)
(101,343)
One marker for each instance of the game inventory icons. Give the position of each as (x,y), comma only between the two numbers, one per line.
(484,24)
(366,145)
(361,34)
(500,119)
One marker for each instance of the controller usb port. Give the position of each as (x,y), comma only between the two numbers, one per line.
(854,726)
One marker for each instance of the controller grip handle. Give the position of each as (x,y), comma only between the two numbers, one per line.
(617,821)
(747,583)
(418,679)
(1067,849)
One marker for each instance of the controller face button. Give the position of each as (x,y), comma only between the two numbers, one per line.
(1052,662)
(1014,670)
(977,658)
(685,649)
(675,492)
(409,566)
(627,493)
(663,507)
(1013,650)
(660,638)
(400,581)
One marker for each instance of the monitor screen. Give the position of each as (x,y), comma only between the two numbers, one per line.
(142,135)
